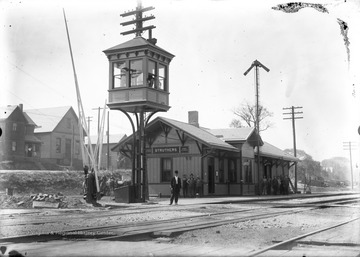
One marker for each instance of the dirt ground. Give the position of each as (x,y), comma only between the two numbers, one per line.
(249,235)
(257,234)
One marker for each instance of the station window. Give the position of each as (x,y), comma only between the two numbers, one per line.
(58,145)
(136,73)
(120,74)
(166,169)
(232,170)
(14,127)
(248,172)
(221,171)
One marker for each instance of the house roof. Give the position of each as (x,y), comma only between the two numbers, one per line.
(29,120)
(134,43)
(6,111)
(47,118)
(32,139)
(113,139)
(269,150)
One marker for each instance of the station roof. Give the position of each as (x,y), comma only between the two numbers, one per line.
(268,150)
(216,138)
(237,135)
(199,134)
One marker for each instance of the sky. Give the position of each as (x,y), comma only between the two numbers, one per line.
(214,43)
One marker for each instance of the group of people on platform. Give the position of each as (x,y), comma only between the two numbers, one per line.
(191,187)
(275,186)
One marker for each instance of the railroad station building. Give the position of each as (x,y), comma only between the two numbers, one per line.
(224,159)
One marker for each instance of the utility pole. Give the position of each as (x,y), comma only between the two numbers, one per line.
(349,146)
(88,135)
(108,141)
(293,118)
(107,134)
(257,64)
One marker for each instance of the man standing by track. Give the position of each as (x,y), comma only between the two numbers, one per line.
(175,186)
(91,194)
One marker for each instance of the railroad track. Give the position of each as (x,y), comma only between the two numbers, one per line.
(287,244)
(167,227)
(146,208)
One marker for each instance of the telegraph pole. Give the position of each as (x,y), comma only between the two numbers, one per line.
(257,64)
(108,141)
(293,118)
(349,146)
(88,134)
(107,134)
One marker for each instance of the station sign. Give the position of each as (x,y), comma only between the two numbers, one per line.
(170,150)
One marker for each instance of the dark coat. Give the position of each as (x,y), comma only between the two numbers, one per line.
(174,186)
(91,189)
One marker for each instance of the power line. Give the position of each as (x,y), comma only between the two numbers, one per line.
(293,118)
(349,146)
(38,80)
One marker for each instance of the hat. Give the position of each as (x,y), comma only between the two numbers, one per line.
(176,172)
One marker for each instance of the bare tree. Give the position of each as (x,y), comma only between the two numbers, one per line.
(246,113)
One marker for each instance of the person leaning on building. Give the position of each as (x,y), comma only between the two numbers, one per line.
(175,186)
(198,187)
(192,185)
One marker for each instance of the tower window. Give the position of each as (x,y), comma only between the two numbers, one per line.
(136,73)
(120,74)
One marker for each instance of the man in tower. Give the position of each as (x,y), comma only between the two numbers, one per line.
(175,186)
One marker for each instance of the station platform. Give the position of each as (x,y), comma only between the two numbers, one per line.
(109,201)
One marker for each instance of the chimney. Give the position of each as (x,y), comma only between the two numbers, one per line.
(194,118)
(21,106)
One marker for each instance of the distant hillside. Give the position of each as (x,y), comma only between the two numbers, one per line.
(338,168)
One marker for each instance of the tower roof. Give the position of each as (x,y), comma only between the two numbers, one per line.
(136,43)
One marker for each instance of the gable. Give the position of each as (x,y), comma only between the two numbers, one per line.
(12,113)
(68,122)
(47,118)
